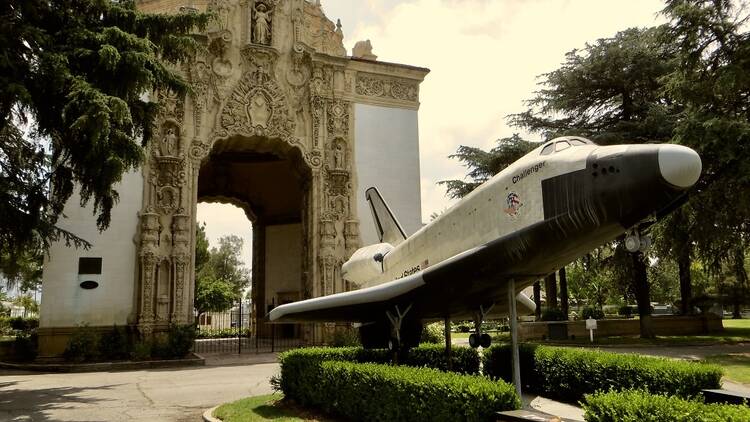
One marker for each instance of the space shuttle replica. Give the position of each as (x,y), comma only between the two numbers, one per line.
(553,205)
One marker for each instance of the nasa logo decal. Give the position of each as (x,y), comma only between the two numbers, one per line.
(514,204)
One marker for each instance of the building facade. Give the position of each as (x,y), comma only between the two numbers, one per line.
(282,123)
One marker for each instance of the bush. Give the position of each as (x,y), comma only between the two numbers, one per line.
(568,374)
(554,314)
(177,344)
(637,406)
(345,337)
(298,366)
(141,350)
(26,345)
(373,392)
(433,333)
(625,311)
(221,333)
(589,312)
(464,360)
(114,344)
(23,324)
(83,345)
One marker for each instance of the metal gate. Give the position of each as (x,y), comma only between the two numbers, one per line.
(231,331)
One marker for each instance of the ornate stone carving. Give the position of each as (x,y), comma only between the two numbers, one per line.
(172,105)
(363,50)
(320,33)
(384,87)
(257,107)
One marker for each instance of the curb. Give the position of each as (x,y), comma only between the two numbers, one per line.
(208,415)
(104,366)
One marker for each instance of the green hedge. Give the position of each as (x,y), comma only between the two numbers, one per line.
(637,406)
(299,366)
(568,373)
(376,392)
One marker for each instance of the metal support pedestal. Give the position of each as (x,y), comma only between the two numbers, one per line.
(514,335)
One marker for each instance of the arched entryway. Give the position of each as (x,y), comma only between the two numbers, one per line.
(270,181)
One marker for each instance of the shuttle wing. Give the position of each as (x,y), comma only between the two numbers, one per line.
(453,286)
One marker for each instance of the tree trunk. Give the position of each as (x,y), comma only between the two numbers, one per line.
(741,279)
(642,295)
(538,300)
(550,289)
(564,292)
(686,294)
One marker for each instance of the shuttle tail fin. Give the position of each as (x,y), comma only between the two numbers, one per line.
(388,228)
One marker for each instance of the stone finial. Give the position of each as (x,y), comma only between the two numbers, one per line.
(363,50)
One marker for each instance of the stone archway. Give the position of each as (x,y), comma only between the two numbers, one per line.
(267,93)
(271,186)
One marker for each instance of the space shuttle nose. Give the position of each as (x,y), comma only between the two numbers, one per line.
(680,166)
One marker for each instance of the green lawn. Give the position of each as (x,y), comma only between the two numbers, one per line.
(264,408)
(736,366)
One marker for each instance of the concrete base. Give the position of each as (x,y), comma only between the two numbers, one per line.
(663,325)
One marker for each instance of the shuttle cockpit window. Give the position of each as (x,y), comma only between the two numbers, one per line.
(561,145)
(548,149)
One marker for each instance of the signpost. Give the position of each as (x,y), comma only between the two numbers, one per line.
(591,326)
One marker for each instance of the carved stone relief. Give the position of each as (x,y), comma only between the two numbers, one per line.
(384,87)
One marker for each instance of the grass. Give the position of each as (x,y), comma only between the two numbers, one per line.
(270,407)
(736,366)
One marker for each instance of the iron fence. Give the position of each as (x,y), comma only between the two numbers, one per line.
(233,331)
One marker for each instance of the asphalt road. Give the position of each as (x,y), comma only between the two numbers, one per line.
(148,395)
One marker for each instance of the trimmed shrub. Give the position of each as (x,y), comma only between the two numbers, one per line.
(568,374)
(554,314)
(590,312)
(464,360)
(433,333)
(299,366)
(640,406)
(373,392)
(221,333)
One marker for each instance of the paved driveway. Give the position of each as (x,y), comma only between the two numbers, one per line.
(149,395)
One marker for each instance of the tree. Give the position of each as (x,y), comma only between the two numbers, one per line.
(28,303)
(483,165)
(612,92)
(72,109)
(221,276)
(712,85)
(202,255)
(24,270)
(213,295)
(225,263)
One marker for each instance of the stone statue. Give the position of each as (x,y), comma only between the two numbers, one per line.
(262,25)
(363,50)
(338,157)
(168,147)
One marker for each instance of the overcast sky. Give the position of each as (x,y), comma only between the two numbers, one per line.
(484,57)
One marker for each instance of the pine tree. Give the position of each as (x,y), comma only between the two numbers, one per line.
(74,112)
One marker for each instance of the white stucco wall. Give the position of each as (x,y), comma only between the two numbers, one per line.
(387,156)
(283,260)
(64,302)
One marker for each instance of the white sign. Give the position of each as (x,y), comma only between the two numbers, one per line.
(591,324)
